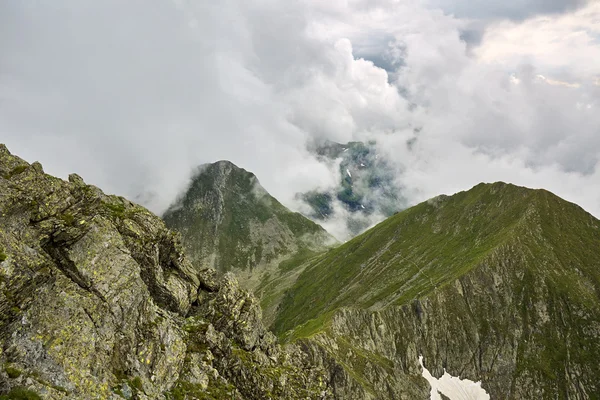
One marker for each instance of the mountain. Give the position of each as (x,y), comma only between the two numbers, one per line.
(367,186)
(498,284)
(98,301)
(229,222)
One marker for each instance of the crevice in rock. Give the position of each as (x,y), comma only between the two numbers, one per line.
(59,255)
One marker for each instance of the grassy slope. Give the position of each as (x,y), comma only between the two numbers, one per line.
(416,251)
(500,283)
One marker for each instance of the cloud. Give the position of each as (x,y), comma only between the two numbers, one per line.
(515,10)
(565,42)
(134,95)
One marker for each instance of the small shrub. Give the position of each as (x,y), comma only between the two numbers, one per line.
(117,210)
(137,383)
(20,393)
(15,171)
(12,372)
(68,218)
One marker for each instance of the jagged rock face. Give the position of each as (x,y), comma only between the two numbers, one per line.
(97,300)
(230,223)
(499,284)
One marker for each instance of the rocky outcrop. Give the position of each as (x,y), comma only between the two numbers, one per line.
(97,301)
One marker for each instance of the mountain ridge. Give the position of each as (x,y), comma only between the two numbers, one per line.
(527,293)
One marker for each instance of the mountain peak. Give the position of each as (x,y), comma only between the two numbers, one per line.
(222,165)
(421,248)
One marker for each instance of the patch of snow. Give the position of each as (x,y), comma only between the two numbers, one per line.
(362,206)
(453,387)
(345,150)
(362,165)
(349,174)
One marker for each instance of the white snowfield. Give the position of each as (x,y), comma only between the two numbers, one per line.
(348,171)
(453,387)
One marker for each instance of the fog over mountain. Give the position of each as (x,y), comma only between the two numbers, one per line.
(134,95)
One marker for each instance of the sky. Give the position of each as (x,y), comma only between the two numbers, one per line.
(134,95)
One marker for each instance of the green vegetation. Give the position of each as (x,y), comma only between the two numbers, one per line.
(309,328)
(321,203)
(215,390)
(402,258)
(427,246)
(136,383)
(20,394)
(3,255)
(117,209)
(499,284)
(296,260)
(12,372)
(68,218)
(82,258)
(509,264)
(16,171)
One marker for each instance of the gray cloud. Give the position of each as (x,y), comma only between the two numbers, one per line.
(134,95)
(515,10)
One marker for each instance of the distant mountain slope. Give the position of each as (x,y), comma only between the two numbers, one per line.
(499,284)
(229,222)
(367,186)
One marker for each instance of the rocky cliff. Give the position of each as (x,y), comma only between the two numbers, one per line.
(97,301)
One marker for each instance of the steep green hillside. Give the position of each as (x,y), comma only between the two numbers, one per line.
(499,284)
(230,223)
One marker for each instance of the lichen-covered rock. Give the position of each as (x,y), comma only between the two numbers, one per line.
(97,301)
